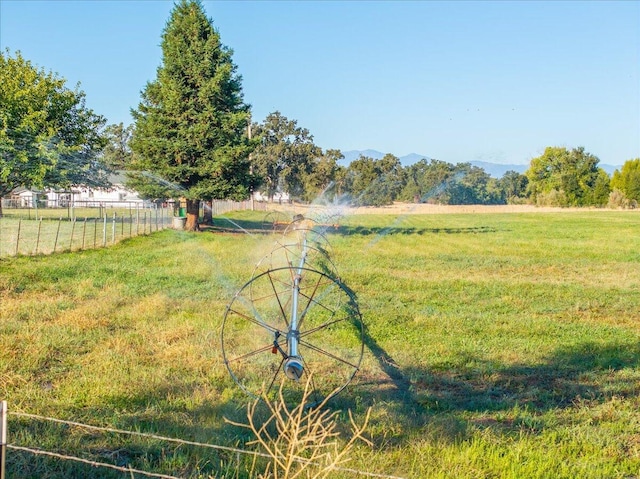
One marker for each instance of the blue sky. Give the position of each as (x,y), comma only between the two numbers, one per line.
(458,80)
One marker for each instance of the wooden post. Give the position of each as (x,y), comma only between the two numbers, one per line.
(3,437)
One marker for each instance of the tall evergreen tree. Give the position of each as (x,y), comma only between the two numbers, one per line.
(190,127)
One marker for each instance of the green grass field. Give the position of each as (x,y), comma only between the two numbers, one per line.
(497,346)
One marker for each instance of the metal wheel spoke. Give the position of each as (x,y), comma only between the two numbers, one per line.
(273,379)
(260,322)
(321,327)
(328,354)
(314,389)
(284,315)
(252,353)
(275,294)
(312,301)
(310,298)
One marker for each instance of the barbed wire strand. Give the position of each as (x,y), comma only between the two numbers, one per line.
(141,434)
(91,463)
(185,442)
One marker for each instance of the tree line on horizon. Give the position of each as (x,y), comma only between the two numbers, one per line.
(193,138)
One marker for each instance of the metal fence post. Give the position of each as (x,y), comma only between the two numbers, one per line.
(104,230)
(38,238)
(73,227)
(84,231)
(55,243)
(18,236)
(3,437)
(113,229)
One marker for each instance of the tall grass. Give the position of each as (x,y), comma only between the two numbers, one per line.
(496,346)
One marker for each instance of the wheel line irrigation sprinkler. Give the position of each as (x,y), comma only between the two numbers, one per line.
(290,320)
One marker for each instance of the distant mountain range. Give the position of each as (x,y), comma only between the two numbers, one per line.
(497,170)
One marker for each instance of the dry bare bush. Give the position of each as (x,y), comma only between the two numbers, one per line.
(301,442)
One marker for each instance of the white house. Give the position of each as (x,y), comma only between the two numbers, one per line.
(118,196)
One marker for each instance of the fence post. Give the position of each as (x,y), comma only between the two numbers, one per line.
(73,228)
(18,236)
(55,243)
(84,231)
(38,237)
(113,229)
(104,229)
(3,437)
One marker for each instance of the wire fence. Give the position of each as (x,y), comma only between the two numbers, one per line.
(33,231)
(132,471)
(19,236)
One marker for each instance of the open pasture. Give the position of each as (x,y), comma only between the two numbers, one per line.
(496,345)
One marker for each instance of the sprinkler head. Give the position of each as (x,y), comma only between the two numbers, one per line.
(293,368)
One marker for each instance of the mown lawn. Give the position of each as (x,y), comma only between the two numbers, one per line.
(497,345)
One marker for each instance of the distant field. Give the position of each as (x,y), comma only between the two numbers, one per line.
(501,345)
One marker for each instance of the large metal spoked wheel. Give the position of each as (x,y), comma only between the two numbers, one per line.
(287,325)
(293,255)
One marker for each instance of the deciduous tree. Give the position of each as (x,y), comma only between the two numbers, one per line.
(627,179)
(568,175)
(324,176)
(375,182)
(513,186)
(117,152)
(428,181)
(285,155)
(48,137)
